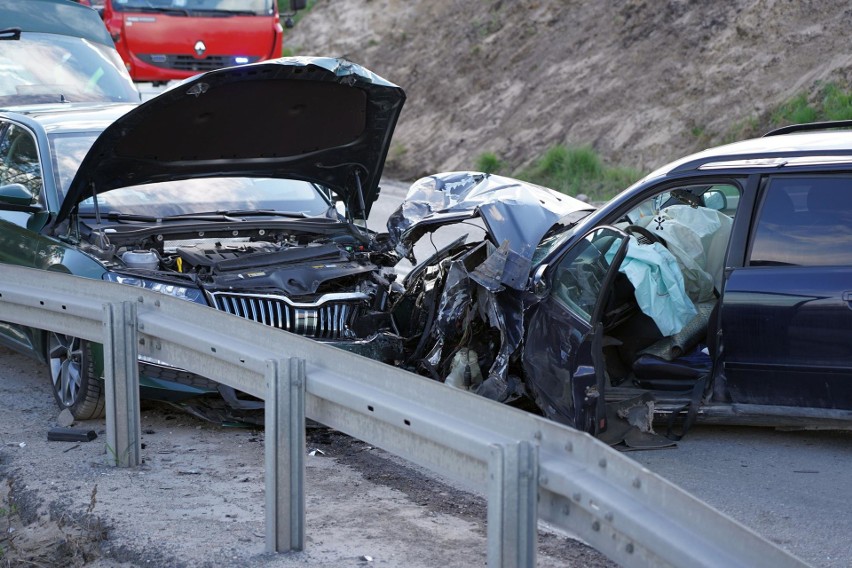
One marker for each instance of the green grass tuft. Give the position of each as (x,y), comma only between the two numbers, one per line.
(579,170)
(489,163)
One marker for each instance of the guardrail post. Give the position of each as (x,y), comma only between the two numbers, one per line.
(121,385)
(512,505)
(285,454)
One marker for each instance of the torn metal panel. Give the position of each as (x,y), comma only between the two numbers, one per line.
(515,212)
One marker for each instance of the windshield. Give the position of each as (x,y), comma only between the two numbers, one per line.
(256,7)
(48,68)
(212,195)
(68,150)
(558,234)
(186,197)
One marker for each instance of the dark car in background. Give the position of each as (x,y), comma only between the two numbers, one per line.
(719,287)
(56,51)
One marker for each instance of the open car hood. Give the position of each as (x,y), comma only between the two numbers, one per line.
(516,214)
(322,120)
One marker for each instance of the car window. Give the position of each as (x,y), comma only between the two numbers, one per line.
(213,194)
(260,7)
(581,274)
(68,150)
(19,160)
(804,221)
(49,68)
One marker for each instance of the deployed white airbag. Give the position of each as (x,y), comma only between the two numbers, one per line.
(658,284)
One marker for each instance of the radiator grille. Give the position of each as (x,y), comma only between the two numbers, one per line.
(328,318)
(190,63)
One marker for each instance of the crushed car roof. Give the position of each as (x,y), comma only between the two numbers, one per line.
(517,214)
(323,120)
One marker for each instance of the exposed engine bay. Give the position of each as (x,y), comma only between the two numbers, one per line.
(332,286)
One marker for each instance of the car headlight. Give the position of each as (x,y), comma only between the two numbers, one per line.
(182,292)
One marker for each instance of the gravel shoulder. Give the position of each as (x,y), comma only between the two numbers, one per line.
(198,498)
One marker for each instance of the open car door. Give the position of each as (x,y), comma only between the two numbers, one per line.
(563,355)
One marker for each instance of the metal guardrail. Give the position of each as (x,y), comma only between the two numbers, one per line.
(532,468)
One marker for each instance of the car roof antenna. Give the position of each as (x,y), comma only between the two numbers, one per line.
(361,198)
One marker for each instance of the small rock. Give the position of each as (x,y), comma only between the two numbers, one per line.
(65,418)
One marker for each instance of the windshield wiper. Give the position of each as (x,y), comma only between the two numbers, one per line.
(117,216)
(231,216)
(162,10)
(225,13)
(261,213)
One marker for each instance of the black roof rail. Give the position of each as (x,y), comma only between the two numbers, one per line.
(825,125)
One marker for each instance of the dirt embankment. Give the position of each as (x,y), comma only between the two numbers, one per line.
(642,82)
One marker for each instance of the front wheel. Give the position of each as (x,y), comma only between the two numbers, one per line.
(72,373)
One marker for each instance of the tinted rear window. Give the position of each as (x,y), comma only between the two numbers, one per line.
(804,221)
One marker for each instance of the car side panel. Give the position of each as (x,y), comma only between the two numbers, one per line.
(788,336)
(787,310)
(23,247)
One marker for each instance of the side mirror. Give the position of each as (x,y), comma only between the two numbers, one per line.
(298,5)
(16,194)
(539,285)
(715,199)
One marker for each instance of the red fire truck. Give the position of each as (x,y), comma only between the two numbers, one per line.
(161,40)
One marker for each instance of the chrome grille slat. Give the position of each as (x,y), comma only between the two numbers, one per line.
(327,318)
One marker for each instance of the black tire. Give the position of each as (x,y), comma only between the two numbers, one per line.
(72,373)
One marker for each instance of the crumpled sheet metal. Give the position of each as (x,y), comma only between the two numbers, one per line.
(463,298)
(513,211)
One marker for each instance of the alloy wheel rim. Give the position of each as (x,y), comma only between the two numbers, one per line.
(66,356)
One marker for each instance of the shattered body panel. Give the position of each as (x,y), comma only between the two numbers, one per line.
(516,214)
(473,297)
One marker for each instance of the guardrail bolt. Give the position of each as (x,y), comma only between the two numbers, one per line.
(629,548)
(609,517)
(566,509)
(602,463)
(637,483)
(537,435)
(157,346)
(141,341)
(140,299)
(577,497)
(157,303)
(596,526)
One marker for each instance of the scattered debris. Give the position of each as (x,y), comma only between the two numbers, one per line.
(65,418)
(71,435)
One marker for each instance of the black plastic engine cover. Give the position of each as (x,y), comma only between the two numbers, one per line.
(294,280)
